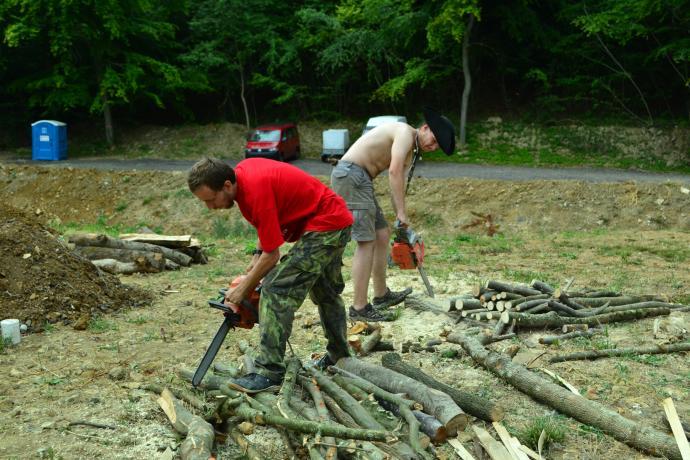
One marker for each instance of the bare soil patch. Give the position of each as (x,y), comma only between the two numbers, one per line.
(43,281)
(633,237)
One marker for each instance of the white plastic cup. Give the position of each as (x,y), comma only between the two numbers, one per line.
(10,330)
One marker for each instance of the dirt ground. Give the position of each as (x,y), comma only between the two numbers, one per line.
(630,237)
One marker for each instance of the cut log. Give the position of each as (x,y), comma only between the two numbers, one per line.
(614,301)
(309,427)
(516,289)
(468,304)
(430,426)
(404,406)
(589,412)
(551,339)
(552,319)
(472,404)
(532,297)
(487,295)
(435,402)
(529,304)
(152,261)
(121,268)
(345,400)
(246,448)
(170,241)
(105,241)
(542,287)
(596,354)
(198,432)
(465,313)
(370,342)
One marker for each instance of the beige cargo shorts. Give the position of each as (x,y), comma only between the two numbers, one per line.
(352,182)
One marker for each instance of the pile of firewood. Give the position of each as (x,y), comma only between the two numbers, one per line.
(355,409)
(499,309)
(359,409)
(138,252)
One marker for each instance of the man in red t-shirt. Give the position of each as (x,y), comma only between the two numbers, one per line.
(284,204)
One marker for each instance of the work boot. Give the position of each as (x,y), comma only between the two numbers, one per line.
(323,362)
(391,298)
(253,383)
(369,314)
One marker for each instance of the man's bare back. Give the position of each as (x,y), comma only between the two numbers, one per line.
(375,150)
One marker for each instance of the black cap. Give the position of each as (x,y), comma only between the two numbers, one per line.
(443,130)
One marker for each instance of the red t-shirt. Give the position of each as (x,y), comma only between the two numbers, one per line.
(283,202)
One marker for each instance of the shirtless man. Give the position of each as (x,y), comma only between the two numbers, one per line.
(391,146)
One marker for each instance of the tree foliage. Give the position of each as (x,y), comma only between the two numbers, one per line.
(259,60)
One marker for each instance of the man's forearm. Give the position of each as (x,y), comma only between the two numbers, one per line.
(266,261)
(397,183)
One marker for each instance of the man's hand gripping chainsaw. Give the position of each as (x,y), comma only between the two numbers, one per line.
(407,252)
(245,316)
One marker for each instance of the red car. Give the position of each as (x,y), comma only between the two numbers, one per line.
(278,142)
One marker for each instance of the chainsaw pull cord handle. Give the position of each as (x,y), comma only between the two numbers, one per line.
(415,157)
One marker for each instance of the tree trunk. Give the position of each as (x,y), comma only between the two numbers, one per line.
(552,319)
(468,79)
(435,402)
(244,100)
(589,412)
(551,339)
(152,262)
(309,427)
(199,433)
(105,241)
(595,354)
(108,120)
(123,268)
(470,403)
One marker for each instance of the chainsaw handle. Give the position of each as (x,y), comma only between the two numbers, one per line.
(399,225)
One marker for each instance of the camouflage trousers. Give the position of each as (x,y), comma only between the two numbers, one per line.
(313,266)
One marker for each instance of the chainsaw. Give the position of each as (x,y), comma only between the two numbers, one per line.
(407,252)
(244,316)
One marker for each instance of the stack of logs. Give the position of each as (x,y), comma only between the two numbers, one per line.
(138,253)
(499,309)
(359,409)
(390,411)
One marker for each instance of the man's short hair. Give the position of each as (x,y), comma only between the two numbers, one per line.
(210,172)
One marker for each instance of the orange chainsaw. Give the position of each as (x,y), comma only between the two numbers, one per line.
(245,316)
(407,252)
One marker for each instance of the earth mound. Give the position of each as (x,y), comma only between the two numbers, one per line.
(42,280)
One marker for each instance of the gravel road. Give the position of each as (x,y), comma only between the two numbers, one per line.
(430,170)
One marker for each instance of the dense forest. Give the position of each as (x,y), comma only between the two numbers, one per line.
(250,61)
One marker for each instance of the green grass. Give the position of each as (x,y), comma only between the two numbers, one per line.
(525,276)
(553,427)
(101,226)
(99,325)
(222,229)
(485,245)
(5,344)
(138,320)
(522,144)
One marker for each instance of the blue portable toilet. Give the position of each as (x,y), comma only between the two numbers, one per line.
(48,140)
